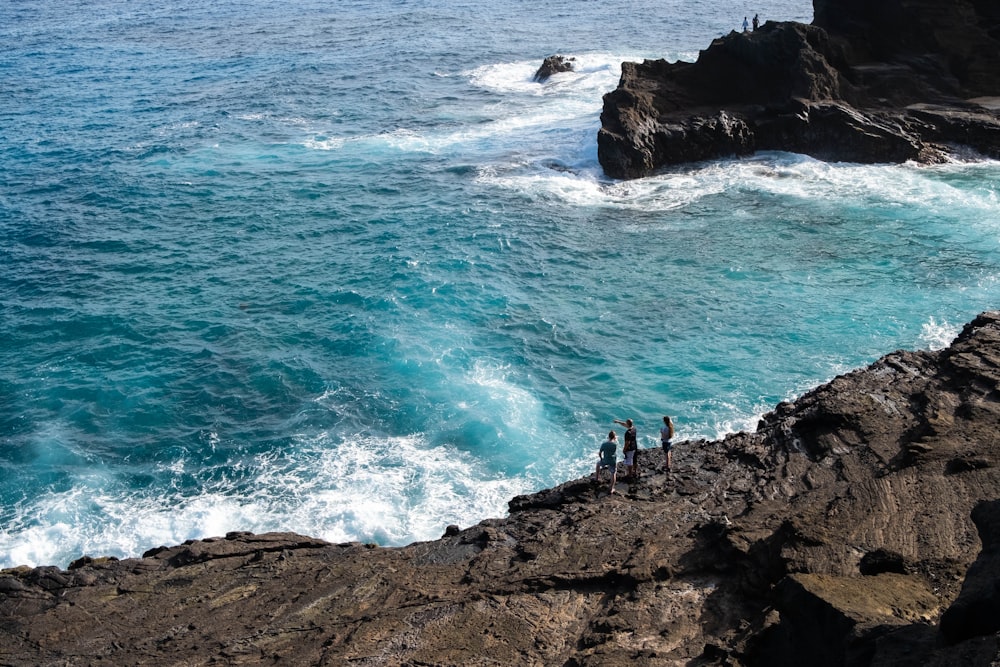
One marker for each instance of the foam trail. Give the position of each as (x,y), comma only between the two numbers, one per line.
(391,491)
(938,335)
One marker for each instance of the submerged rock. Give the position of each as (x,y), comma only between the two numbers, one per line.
(838,533)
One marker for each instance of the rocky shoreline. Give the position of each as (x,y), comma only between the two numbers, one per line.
(858,525)
(882,81)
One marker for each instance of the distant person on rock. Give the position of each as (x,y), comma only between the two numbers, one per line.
(608,459)
(756,22)
(667,442)
(746,25)
(630,448)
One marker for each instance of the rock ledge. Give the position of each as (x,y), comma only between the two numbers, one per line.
(868,81)
(838,533)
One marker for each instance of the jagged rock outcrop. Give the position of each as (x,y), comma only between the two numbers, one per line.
(838,533)
(869,81)
(554,65)
(976,612)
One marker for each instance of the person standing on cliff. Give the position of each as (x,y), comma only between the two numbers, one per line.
(667,442)
(756,22)
(746,24)
(608,459)
(630,449)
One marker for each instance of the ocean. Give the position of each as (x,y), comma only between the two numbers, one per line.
(344,269)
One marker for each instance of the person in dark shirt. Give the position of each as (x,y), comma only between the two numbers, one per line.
(630,449)
(667,442)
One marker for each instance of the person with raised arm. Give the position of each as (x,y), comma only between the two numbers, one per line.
(630,448)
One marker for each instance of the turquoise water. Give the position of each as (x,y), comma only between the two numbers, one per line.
(345,269)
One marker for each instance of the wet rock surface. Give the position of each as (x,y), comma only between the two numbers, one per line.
(868,81)
(840,532)
(554,65)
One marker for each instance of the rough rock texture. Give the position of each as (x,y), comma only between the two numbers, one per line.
(553,65)
(976,612)
(869,81)
(836,534)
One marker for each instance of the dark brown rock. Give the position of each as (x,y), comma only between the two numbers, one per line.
(976,612)
(883,81)
(837,533)
(553,65)
(829,621)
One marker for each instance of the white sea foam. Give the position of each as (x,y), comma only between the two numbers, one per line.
(592,73)
(522,106)
(388,490)
(523,114)
(800,176)
(323,143)
(781,174)
(511,403)
(937,335)
(530,127)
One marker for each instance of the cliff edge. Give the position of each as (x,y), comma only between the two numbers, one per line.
(869,81)
(858,525)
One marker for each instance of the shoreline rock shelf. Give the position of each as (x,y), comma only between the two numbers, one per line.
(840,532)
(883,81)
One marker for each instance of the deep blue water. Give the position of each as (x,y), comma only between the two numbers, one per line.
(345,269)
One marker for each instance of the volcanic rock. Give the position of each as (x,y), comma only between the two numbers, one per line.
(868,81)
(837,533)
(553,65)
(976,612)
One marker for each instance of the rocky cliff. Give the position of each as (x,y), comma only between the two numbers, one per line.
(857,526)
(868,81)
